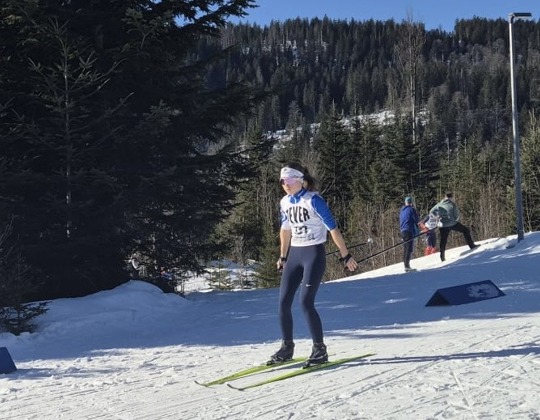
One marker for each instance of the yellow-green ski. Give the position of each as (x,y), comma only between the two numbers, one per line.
(302,371)
(251,371)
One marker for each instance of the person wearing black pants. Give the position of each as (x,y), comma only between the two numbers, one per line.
(448,221)
(305,267)
(408,222)
(305,222)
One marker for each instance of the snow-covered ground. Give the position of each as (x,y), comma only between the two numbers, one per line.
(134,352)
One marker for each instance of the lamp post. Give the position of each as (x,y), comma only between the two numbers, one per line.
(515,128)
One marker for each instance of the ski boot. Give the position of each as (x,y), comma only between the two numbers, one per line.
(318,355)
(284,354)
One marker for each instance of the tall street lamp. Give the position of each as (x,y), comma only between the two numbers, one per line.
(512,17)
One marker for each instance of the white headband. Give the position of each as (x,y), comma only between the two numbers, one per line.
(290,173)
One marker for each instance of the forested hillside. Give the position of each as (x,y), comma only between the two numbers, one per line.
(144,132)
(362,67)
(450,97)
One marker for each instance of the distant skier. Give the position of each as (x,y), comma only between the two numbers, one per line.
(428,225)
(408,223)
(305,221)
(449,220)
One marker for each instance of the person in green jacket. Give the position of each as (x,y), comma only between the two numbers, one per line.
(449,220)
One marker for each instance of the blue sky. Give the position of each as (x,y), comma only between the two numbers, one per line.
(433,13)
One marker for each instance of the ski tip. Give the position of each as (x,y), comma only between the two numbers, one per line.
(201,384)
(207,384)
(235,387)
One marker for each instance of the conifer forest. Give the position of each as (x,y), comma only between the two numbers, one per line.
(151,134)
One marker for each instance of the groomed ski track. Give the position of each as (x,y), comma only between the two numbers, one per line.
(428,378)
(476,361)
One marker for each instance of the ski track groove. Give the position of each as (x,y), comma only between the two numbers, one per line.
(90,390)
(318,393)
(465,396)
(299,403)
(90,384)
(439,400)
(504,371)
(265,407)
(385,381)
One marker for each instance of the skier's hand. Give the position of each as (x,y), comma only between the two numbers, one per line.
(281,263)
(349,262)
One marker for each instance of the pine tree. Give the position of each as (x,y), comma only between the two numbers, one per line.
(126,156)
(395,168)
(16,286)
(335,164)
(65,196)
(530,158)
(244,229)
(267,274)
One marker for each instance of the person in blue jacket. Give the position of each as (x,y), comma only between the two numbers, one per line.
(305,222)
(408,223)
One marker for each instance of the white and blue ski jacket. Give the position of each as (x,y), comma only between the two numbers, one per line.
(307,216)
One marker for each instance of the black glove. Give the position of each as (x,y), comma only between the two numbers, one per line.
(345,259)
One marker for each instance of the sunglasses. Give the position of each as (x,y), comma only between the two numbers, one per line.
(289,180)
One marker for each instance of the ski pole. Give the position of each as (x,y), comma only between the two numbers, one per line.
(389,248)
(353,246)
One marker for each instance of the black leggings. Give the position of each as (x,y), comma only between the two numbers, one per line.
(408,247)
(458,227)
(305,266)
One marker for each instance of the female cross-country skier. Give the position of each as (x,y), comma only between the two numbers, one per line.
(305,221)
